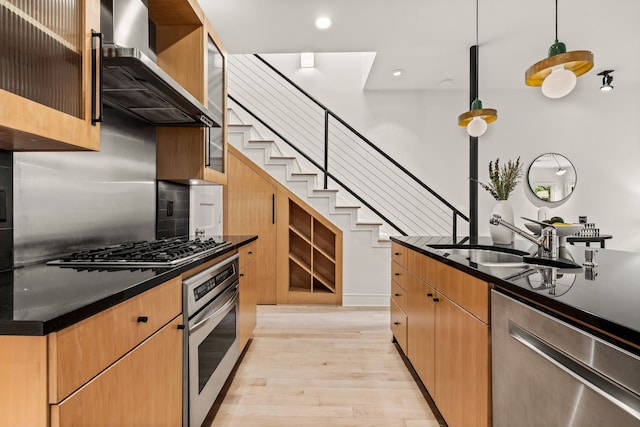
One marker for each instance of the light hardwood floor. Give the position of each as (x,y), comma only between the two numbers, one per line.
(323,366)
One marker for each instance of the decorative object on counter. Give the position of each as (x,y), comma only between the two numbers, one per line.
(544,213)
(589,230)
(503,181)
(552,177)
(559,73)
(477,119)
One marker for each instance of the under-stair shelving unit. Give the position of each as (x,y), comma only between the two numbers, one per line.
(313,270)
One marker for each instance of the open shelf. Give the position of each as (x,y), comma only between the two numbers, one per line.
(299,220)
(324,239)
(299,278)
(312,258)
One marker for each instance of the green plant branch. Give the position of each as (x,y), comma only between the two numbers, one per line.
(502,179)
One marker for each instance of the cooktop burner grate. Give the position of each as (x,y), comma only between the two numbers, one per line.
(155,253)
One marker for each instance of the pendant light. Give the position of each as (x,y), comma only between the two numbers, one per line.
(477,118)
(558,73)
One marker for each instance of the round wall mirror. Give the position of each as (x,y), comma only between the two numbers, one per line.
(552,177)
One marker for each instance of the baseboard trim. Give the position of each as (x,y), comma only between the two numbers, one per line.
(367,300)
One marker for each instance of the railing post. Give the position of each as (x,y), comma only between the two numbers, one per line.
(455,227)
(326,148)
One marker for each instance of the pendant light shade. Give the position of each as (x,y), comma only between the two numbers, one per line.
(558,73)
(477,118)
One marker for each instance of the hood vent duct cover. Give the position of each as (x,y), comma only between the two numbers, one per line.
(135,84)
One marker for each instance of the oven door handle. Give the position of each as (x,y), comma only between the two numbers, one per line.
(226,305)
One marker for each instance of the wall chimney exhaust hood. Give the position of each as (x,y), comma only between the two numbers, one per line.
(132,82)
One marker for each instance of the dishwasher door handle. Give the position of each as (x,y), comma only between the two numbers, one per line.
(604,386)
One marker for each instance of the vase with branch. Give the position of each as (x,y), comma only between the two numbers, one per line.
(503,180)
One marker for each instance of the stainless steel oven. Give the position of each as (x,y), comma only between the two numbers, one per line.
(211,345)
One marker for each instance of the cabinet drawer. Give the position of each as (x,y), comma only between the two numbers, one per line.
(247,253)
(399,254)
(399,274)
(468,292)
(80,352)
(422,266)
(399,295)
(399,325)
(143,389)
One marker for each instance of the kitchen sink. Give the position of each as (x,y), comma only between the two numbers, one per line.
(487,256)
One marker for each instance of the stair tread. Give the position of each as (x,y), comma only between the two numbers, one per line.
(323,190)
(305,173)
(368,223)
(348,207)
(283,157)
(261,140)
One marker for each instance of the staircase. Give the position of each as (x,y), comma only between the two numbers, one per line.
(366,265)
(336,170)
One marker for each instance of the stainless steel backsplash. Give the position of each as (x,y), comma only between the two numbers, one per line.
(76,200)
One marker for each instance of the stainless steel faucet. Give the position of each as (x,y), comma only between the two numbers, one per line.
(547,242)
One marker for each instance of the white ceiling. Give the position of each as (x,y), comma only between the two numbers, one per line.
(430,39)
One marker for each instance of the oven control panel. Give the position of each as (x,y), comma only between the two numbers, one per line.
(206,287)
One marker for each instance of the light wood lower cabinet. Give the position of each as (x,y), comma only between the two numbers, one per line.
(447,339)
(120,367)
(248,292)
(144,388)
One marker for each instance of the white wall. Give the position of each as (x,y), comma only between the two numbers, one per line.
(596,131)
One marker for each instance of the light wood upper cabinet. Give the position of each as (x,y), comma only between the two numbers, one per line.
(195,57)
(46,88)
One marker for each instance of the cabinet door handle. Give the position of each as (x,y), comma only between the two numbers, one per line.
(436,300)
(396,323)
(181,326)
(397,253)
(396,274)
(143,319)
(241,274)
(429,294)
(207,148)
(250,252)
(397,295)
(96,77)
(273,208)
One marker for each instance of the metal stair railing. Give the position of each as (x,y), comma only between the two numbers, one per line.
(343,155)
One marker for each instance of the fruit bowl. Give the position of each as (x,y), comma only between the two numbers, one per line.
(563,231)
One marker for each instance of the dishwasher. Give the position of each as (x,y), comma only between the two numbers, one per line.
(546,372)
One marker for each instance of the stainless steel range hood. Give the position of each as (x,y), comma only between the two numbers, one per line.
(132,82)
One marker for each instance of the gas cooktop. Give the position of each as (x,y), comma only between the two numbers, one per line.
(143,254)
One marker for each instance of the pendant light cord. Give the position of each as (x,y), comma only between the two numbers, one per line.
(478,54)
(556,21)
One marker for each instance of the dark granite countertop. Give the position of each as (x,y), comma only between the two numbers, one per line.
(40,298)
(602,299)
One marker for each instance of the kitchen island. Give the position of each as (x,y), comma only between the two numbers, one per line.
(477,362)
(102,346)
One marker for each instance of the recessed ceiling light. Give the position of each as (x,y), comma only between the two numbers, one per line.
(397,73)
(323,22)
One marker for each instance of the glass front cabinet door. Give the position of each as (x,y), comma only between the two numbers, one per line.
(216,96)
(198,156)
(49,75)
